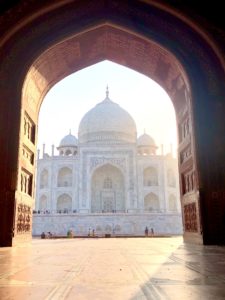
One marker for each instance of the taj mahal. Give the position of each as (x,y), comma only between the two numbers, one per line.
(107,179)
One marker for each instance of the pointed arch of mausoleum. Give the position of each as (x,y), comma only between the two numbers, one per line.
(64,177)
(108,189)
(116,163)
(151,203)
(64,203)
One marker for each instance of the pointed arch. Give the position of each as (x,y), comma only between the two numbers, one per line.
(64,203)
(107,189)
(64,177)
(151,202)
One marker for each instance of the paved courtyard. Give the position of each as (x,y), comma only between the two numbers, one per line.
(112,268)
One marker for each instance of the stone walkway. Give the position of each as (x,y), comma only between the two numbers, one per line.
(113,268)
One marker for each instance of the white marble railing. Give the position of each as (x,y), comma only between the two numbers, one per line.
(61,212)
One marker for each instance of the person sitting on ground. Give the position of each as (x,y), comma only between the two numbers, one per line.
(43,236)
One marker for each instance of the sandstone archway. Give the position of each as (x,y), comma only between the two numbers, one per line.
(65,37)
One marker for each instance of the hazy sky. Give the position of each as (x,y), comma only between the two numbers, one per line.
(68,101)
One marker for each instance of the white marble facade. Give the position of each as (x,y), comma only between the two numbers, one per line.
(107,180)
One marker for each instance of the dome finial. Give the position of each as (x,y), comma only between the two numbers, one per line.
(70,131)
(144,131)
(107,91)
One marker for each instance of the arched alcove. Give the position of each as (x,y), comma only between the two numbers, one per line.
(64,204)
(64,177)
(107,189)
(151,203)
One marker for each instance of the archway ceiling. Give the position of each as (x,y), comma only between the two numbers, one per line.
(105,42)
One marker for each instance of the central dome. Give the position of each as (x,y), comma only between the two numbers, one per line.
(107,122)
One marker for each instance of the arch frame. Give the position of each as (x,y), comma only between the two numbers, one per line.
(195,51)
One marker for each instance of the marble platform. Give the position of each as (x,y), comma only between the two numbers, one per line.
(113,223)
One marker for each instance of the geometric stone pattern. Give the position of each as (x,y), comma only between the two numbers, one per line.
(23,218)
(108,269)
(190,217)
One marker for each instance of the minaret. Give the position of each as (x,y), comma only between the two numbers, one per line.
(53,150)
(107,91)
(43,150)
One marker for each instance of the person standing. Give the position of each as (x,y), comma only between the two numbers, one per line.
(146,231)
(152,232)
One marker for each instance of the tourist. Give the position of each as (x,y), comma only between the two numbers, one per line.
(146,231)
(152,232)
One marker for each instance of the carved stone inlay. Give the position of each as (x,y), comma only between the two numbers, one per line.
(184,129)
(26,180)
(28,154)
(188,182)
(96,161)
(23,218)
(185,154)
(29,128)
(190,217)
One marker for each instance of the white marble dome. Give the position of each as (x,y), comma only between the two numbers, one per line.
(68,141)
(146,140)
(107,122)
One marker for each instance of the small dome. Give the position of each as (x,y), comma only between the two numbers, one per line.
(68,141)
(107,121)
(146,140)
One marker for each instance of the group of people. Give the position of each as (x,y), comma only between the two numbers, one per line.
(47,235)
(91,233)
(70,233)
(147,231)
